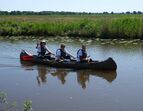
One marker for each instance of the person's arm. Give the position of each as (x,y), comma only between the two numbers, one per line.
(88,56)
(38,48)
(38,45)
(49,51)
(70,54)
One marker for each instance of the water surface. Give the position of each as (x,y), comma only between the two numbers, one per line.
(54,89)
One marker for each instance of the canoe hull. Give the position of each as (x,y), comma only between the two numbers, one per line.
(108,64)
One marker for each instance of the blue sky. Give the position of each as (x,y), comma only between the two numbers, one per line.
(72,5)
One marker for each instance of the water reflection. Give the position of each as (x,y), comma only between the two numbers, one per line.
(61,74)
(42,72)
(83,76)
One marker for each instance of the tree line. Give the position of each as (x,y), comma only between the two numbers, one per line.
(61,13)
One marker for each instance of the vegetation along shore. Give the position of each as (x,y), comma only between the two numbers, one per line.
(105,26)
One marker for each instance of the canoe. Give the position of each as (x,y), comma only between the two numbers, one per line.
(108,64)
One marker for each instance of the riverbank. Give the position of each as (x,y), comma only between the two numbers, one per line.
(113,26)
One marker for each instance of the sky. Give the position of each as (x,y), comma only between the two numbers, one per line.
(72,5)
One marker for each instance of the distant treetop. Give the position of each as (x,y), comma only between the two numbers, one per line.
(61,13)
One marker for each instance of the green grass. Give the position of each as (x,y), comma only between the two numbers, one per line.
(6,106)
(98,26)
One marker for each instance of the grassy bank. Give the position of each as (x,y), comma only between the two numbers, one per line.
(99,26)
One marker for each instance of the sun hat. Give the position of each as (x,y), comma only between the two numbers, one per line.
(43,41)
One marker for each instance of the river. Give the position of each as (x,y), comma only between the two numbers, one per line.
(55,89)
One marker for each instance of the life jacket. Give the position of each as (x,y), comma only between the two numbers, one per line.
(84,53)
(43,50)
(63,53)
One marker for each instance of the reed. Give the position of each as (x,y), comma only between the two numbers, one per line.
(97,26)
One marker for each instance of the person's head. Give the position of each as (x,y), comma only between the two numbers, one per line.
(62,46)
(83,47)
(43,42)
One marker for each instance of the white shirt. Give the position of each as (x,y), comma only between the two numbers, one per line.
(38,49)
(58,54)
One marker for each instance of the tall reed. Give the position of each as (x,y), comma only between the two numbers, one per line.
(113,26)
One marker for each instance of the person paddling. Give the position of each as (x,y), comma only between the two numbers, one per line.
(62,54)
(82,55)
(42,49)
